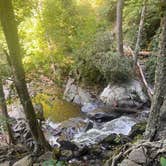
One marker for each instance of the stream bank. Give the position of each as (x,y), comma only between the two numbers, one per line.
(93,128)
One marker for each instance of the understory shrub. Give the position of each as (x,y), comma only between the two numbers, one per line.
(150,69)
(100,62)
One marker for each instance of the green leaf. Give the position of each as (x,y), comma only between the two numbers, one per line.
(163,161)
(49,163)
(60,163)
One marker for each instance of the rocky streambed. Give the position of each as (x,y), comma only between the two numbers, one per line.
(101,123)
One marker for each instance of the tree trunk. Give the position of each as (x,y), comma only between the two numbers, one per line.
(139,36)
(119,15)
(10,30)
(5,113)
(154,121)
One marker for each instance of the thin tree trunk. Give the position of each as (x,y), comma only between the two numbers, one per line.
(139,36)
(119,15)
(5,113)
(154,124)
(148,89)
(10,30)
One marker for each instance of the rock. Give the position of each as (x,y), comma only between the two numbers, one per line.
(89,125)
(66,154)
(76,94)
(111,139)
(6,163)
(137,129)
(17,112)
(115,139)
(70,127)
(46,156)
(138,155)
(67,145)
(95,135)
(89,107)
(36,164)
(103,114)
(22,133)
(26,161)
(128,94)
(127,162)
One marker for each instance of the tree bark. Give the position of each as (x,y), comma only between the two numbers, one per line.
(119,15)
(10,31)
(154,121)
(139,36)
(5,113)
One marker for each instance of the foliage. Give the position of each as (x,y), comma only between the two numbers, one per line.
(132,12)
(3,122)
(53,163)
(150,68)
(100,59)
(63,35)
(163,161)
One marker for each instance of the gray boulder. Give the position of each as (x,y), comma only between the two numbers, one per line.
(128,94)
(128,162)
(26,161)
(74,93)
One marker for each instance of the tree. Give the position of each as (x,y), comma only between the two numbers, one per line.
(5,113)
(156,121)
(10,31)
(119,14)
(139,37)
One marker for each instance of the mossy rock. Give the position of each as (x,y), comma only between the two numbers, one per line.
(137,130)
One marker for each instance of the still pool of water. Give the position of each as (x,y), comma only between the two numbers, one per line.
(56,109)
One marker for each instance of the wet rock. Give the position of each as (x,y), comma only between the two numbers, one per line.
(127,162)
(6,163)
(66,154)
(26,161)
(67,145)
(89,107)
(138,155)
(103,114)
(128,94)
(115,139)
(36,164)
(69,128)
(143,115)
(137,129)
(111,139)
(22,134)
(76,94)
(45,156)
(95,135)
(89,125)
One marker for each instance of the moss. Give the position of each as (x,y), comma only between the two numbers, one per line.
(57,110)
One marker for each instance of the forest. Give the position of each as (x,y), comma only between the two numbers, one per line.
(82,82)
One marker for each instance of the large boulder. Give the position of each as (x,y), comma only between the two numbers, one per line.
(74,93)
(129,94)
(95,135)
(103,114)
(26,161)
